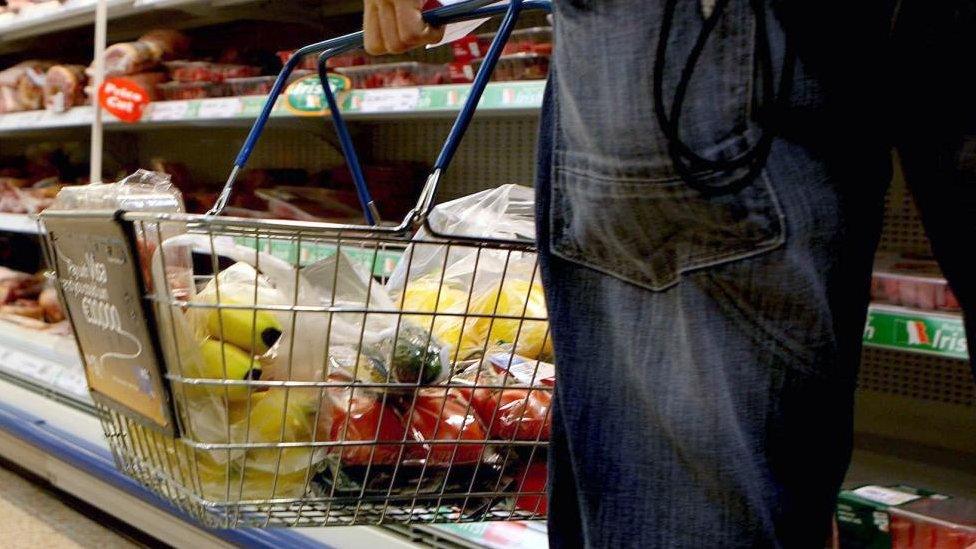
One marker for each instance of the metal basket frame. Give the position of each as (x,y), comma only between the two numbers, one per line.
(174,467)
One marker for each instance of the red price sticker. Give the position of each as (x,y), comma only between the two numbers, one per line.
(122,97)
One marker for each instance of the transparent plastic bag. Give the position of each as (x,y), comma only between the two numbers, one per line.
(469,291)
(398,349)
(513,409)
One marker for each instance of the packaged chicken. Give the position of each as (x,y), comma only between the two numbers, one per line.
(64,87)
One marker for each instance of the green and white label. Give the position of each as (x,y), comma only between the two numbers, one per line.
(306,96)
(916,331)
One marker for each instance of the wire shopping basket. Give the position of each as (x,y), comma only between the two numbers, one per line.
(272,373)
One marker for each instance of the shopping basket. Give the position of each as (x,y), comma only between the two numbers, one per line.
(271,373)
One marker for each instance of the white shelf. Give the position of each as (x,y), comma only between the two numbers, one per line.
(500,98)
(72,13)
(15,28)
(45,360)
(19,223)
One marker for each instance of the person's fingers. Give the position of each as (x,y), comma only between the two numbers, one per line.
(388,27)
(413,31)
(372,35)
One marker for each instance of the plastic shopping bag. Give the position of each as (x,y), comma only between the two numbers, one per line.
(476,298)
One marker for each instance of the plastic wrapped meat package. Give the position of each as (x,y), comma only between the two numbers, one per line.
(147,52)
(64,87)
(915,282)
(931,523)
(22,86)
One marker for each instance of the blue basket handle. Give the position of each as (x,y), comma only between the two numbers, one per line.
(464,11)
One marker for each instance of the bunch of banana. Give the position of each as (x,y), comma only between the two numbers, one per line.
(234,338)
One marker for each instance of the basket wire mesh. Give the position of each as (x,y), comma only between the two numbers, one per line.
(321,374)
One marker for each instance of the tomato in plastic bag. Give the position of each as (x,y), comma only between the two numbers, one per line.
(514,413)
(368,421)
(440,416)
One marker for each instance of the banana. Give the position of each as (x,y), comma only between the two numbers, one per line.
(254,331)
(239,365)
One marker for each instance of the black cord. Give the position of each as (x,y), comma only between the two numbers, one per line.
(689,164)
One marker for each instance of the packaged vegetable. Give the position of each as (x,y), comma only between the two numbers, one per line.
(352,414)
(514,395)
(452,434)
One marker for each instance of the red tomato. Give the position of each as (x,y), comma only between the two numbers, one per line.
(513,414)
(368,421)
(533,479)
(523,414)
(454,422)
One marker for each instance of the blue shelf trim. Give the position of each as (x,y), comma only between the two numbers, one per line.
(98,462)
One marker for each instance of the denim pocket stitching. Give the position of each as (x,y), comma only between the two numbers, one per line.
(697,262)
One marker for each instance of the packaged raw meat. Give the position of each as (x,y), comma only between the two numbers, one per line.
(307,63)
(170,44)
(148,81)
(911,282)
(395,75)
(24,83)
(129,58)
(531,40)
(310,62)
(143,54)
(255,85)
(173,91)
(64,87)
(948,523)
(519,66)
(205,71)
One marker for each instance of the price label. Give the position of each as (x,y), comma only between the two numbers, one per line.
(225,107)
(100,283)
(123,98)
(391,100)
(169,110)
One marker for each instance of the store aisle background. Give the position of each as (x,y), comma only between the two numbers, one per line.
(35,516)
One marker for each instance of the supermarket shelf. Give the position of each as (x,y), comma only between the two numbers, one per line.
(67,447)
(43,360)
(928,332)
(18,223)
(70,14)
(500,99)
(49,18)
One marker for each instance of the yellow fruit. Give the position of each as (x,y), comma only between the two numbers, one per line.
(269,424)
(254,331)
(271,421)
(514,298)
(223,361)
(428,295)
(259,484)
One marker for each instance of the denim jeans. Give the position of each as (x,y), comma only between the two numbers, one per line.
(708,346)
